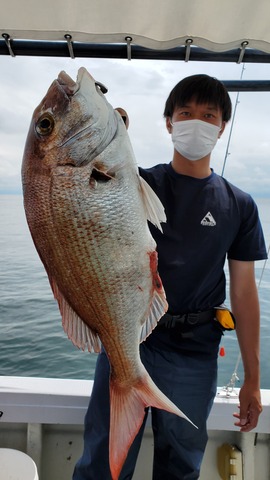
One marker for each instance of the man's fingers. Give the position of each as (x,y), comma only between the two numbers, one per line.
(247,420)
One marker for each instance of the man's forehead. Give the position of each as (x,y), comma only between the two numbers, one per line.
(193,102)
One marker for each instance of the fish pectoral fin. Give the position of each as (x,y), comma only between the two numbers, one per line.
(158,307)
(77,331)
(154,209)
(159,304)
(127,411)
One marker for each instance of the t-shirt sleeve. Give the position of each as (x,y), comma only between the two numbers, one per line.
(249,244)
(143,173)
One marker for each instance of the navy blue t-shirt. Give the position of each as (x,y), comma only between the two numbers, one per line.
(207,219)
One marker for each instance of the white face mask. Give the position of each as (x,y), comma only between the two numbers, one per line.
(194,139)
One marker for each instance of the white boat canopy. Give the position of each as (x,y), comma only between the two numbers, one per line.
(226,30)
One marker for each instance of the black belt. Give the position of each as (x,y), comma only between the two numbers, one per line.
(187,319)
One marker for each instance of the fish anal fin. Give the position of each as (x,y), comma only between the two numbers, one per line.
(77,331)
(127,410)
(154,209)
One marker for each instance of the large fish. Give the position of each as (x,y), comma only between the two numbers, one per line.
(87,210)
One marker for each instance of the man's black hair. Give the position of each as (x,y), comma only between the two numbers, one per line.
(202,89)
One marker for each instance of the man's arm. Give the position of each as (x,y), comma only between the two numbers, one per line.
(245,307)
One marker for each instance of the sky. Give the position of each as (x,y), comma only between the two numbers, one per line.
(141,87)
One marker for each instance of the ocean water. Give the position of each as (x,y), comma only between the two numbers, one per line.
(32,342)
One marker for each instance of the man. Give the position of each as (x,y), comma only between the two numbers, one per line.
(207,219)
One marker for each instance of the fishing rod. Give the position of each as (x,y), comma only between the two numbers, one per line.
(232,124)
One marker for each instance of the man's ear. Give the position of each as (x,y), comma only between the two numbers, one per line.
(124,116)
(168,124)
(222,129)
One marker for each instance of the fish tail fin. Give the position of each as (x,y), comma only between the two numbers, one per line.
(127,412)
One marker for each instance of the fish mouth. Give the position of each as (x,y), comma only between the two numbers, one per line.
(86,86)
(82,73)
(76,135)
(67,84)
(71,87)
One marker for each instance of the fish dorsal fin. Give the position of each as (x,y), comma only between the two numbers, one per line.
(154,209)
(77,331)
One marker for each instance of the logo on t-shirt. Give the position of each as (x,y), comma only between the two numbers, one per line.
(208,220)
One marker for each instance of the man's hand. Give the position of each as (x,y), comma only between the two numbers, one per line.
(250,408)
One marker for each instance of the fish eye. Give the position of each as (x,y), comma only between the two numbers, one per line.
(102,87)
(45,125)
